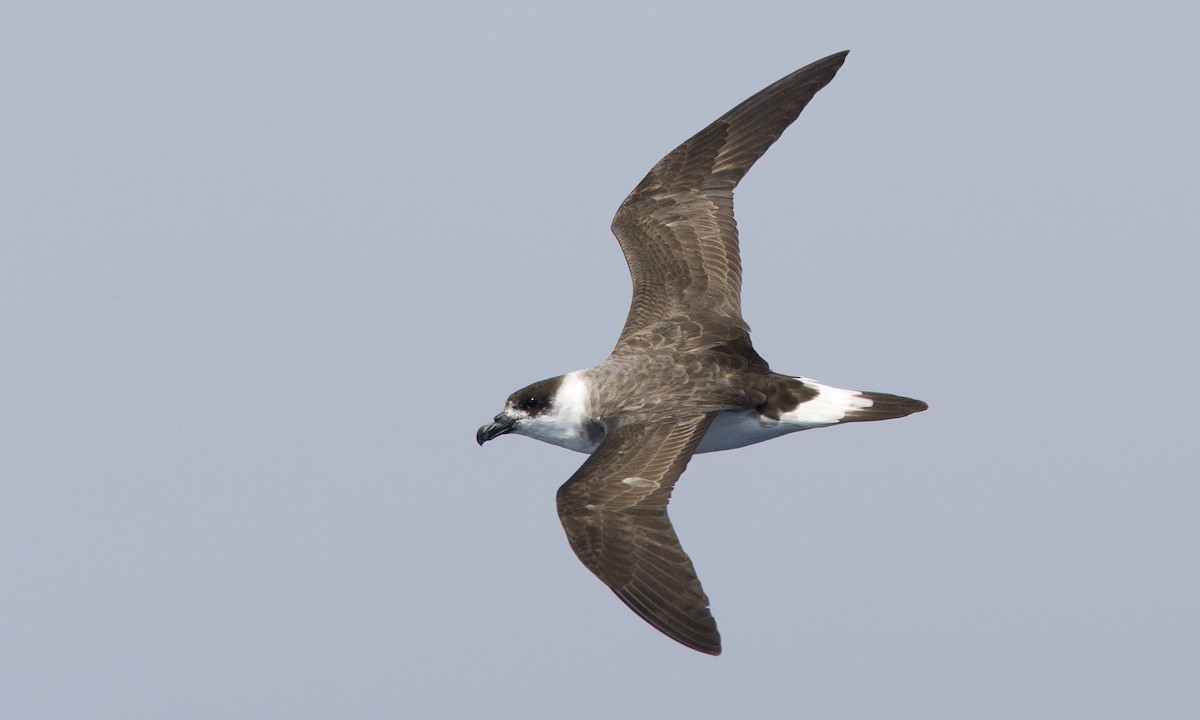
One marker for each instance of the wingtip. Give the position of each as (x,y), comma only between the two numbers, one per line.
(708,645)
(696,630)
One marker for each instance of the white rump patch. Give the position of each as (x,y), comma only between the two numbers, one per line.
(830,406)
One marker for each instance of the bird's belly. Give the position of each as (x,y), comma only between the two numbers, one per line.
(739,428)
(731,429)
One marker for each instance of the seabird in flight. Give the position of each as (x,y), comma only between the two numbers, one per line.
(683,377)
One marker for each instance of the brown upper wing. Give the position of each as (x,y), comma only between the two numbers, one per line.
(677,229)
(614,509)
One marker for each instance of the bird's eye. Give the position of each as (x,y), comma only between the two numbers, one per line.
(530,403)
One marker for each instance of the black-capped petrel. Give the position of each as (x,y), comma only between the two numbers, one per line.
(683,377)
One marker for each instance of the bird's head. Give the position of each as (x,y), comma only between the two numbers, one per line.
(553,410)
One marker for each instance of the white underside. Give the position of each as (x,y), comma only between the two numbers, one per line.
(731,429)
(735,429)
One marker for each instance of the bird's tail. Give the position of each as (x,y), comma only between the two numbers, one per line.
(833,405)
(884,407)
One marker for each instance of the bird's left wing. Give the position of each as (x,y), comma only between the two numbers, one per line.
(614,510)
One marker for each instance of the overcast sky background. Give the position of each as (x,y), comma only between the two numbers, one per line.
(265,268)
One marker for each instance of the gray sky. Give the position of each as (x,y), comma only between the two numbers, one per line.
(265,267)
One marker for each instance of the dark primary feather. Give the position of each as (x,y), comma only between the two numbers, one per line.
(677,228)
(614,511)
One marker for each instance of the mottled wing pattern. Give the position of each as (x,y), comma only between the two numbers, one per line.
(614,510)
(677,229)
